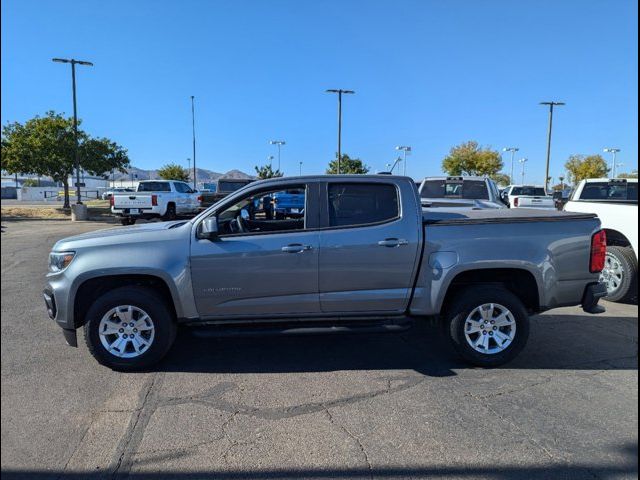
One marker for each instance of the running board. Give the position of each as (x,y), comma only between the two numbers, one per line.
(301,328)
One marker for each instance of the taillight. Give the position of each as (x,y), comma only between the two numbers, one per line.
(112,201)
(199,199)
(154,200)
(598,252)
(516,202)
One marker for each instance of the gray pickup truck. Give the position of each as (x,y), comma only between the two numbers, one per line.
(363,257)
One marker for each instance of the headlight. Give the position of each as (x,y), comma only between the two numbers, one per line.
(58,261)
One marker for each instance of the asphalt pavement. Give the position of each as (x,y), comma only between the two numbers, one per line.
(351,407)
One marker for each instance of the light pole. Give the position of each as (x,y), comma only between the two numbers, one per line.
(561,178)
(523,161)
(300,168)
(405,151)
(551,106)
(189,165)
(73,63)
(193,130)
(614,152)
(339,91)
(513,151)
(279,144)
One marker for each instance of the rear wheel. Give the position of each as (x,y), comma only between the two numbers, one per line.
(620,274)
(170,214)
(129,328)
(488,326)
(128,221)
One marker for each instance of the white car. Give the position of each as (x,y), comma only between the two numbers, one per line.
(615,201)
(109,193)
(528,196)
(164,199)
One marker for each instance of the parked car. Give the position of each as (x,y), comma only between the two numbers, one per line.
(615,201)
(528,196)
(288,203)
(164,199)
(364,257)
(221,188)
(461,192)
(109,193)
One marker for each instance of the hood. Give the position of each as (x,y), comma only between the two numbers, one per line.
(147,232)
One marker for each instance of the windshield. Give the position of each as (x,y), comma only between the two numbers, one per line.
(154,187)
(612,191)
(467,189)
(528,191)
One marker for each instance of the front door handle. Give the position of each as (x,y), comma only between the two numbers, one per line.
(296,248)
(393,242)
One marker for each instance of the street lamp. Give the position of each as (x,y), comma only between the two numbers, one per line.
(339,91)
(279,143)
(73,63)
(523,161)
(551,106)
(193,130)
(405,150)
(614,152)
(513,151)
(300,168)
(189,166)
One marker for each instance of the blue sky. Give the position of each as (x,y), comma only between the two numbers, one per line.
(429,74)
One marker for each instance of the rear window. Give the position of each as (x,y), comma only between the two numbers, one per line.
(528,192)
(613,191)
(154,187)
(230,186)
(467,189)
(362,204)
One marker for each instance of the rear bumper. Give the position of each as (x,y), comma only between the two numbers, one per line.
(592,295)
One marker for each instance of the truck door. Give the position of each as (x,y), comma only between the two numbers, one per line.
(258,266)
(369,245)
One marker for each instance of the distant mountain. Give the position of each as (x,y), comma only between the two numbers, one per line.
(204,175)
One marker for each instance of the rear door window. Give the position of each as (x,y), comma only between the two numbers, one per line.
(352,204)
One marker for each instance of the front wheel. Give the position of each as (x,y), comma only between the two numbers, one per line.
(620,274)
(129,328)
(488,326)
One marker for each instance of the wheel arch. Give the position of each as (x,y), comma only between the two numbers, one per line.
(616,238)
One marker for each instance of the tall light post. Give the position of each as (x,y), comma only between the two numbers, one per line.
(614,153)
(405,151)
(279,144)
(551,106)
(513,151)
(193,131)
(73,63)
(340,91)
(300,168)
(523,161)
(189,165)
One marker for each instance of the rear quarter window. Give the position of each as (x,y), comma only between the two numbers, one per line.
(362,203)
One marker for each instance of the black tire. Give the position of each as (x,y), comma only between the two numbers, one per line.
(127,221)
(170,214)
(465,302)
(155,307)
(628,289)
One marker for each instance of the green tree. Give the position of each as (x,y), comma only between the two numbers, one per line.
(173,171)
(348,166)
(581,167)
(267,171)
(470,158)
(633,174)
(501,179)
(45,146)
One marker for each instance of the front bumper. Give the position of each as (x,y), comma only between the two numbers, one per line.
(592,295)
(57,309)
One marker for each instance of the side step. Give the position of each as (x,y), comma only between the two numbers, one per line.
(301,328)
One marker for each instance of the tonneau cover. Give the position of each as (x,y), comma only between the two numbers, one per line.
(443,216)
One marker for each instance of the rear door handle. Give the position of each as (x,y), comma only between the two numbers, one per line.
(296,248)
(393,242)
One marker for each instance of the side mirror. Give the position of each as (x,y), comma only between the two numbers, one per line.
(557,195)
(209,228)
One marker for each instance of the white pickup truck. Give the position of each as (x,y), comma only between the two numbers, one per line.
(164,199)
(615,201)
(528,196)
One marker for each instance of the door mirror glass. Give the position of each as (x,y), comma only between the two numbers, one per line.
(209,228)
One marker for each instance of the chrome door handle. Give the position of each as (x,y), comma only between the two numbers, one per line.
(296,248)
(393,242)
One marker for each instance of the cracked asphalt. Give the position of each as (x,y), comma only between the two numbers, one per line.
(359,407)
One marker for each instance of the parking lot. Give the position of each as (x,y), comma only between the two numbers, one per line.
(367,406)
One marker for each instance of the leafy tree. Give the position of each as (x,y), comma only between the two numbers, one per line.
(267,171)
(348,166)
(633,174)
(501,179)
(471,159)
(581,167)
(46,146)
(173,171)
